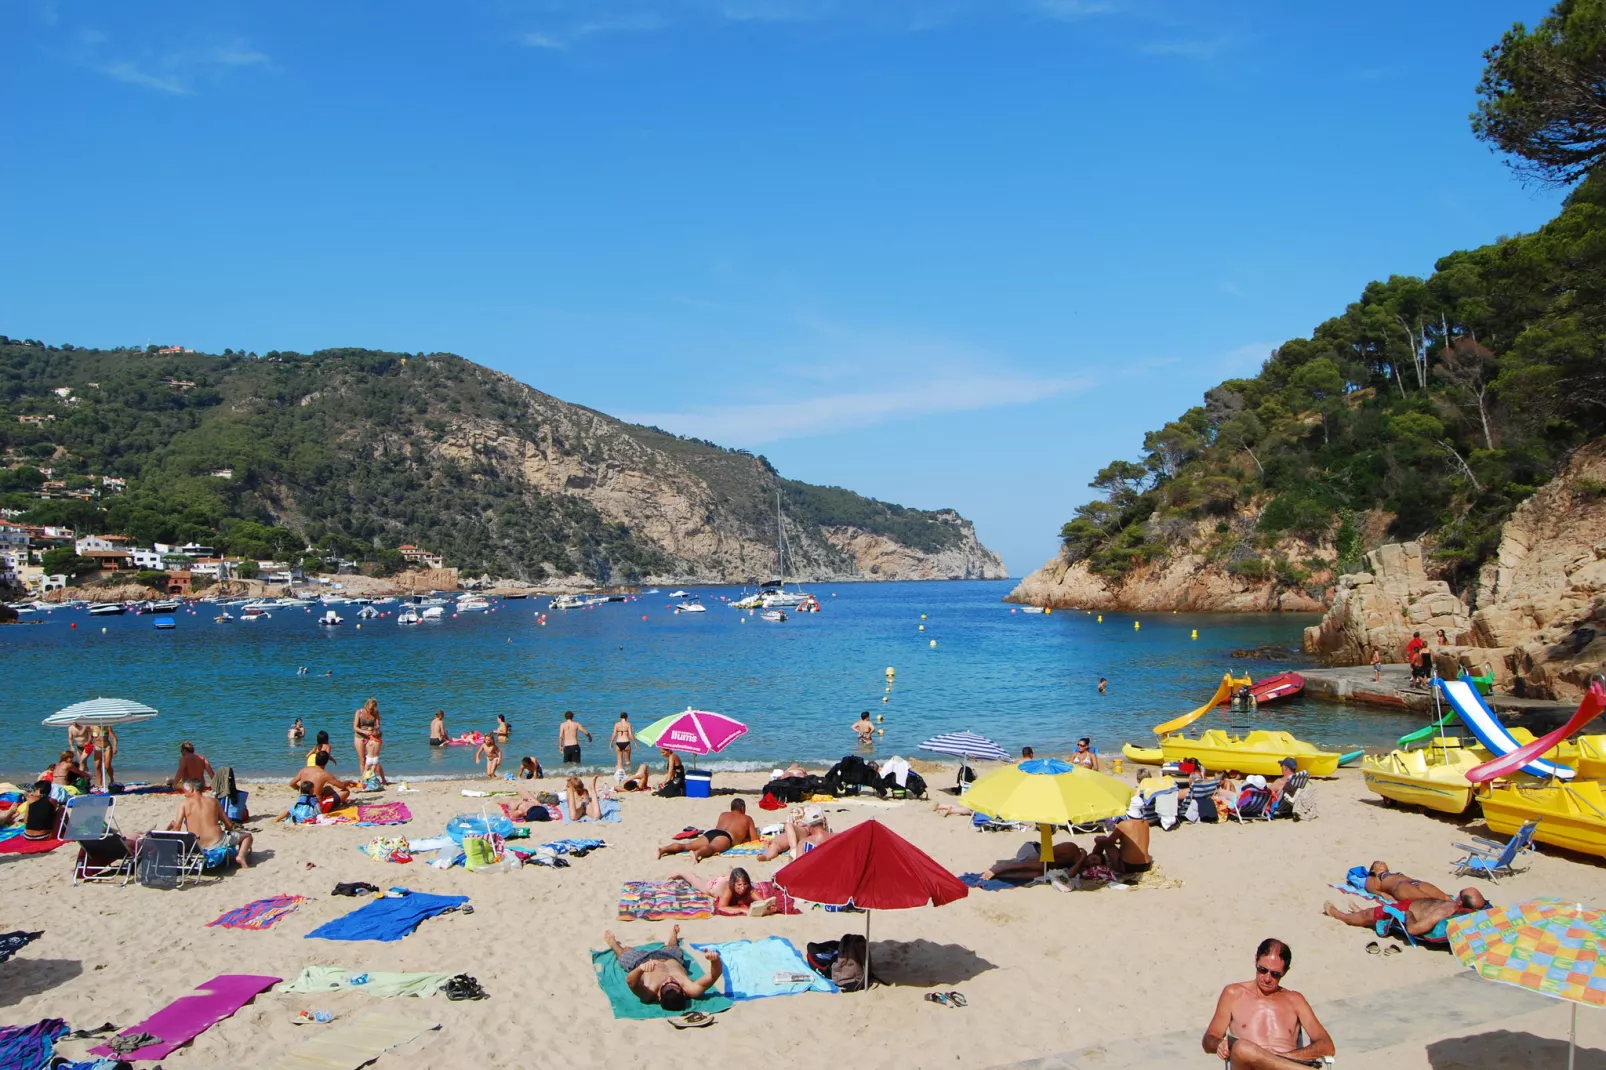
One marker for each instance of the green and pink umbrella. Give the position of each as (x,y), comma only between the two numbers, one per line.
(693,732)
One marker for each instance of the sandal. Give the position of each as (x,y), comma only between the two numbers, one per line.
(937,997)
(1392,949)
(463,987)
(693,1020)
(1374,948)
(957,999)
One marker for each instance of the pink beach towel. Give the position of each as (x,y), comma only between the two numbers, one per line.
(19,845)
(391,813)
(188,1017)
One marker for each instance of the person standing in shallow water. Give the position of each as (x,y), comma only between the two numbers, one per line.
(1104,685)
(623,739)
(569,738)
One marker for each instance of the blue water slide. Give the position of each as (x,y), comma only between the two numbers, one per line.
(1470,707)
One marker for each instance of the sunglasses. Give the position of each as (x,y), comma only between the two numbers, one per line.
(1276,975)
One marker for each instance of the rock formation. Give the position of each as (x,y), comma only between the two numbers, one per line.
(1381,607)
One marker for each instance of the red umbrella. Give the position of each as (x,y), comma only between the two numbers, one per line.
(873,868)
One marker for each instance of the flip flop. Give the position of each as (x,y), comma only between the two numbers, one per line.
(1374,948)
(1392,949)
(937,997)
(957,999)
(693,1020)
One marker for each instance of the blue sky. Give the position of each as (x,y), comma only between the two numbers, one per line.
(951,253)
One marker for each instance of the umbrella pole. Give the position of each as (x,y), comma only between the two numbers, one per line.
(866,987)
(1572,1030)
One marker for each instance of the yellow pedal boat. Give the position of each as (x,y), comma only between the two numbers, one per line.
(1570,815)
(1257,752)
(1143,755)
(1433,776)
(1591,761)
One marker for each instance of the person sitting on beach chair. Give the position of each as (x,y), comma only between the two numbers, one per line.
(1398,886)
(659,975)
(320,791)
(730,828)
(215,834)
(1027,864)
(1421,919)
(1257,1024)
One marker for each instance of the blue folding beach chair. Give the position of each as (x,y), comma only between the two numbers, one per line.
(1491,858)
(1202,799)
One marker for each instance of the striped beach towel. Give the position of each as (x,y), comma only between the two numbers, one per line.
(262,914)
(752,847)
(663,901)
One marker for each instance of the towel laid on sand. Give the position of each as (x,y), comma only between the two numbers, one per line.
(751,967)
(389,813)
(352,1044)
(626,1004)
(571,845)
(975,880)
(783,902)
(31,1046)
(335,978)
(261,914)
(11,831)
(11,943)
(189,1016)
(19,845)
(387,919)
(753,847)
(663,901)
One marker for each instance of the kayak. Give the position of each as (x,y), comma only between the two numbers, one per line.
(1257,752)
(1143,755)
(1279,686)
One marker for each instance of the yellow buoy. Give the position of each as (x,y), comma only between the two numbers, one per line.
(1048,609)
(1195,634)
(1136,625)
(1101,618)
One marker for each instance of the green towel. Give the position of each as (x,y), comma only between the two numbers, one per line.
(626,1004)
(334,978)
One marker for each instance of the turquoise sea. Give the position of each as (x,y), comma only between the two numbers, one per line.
(1018,678)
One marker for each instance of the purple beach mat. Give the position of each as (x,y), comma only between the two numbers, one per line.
(189,1016)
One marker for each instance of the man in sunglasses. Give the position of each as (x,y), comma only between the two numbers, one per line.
(1257,1024)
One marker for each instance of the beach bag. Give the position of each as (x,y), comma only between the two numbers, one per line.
(847,969)
(1305,804)
(478,852)
(672,789)
(822,954)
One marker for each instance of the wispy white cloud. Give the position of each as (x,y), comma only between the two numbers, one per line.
(1076,9)
(124,71)
(1205,48)
(237,55)
(759,423)
(1232,288)
(563,35)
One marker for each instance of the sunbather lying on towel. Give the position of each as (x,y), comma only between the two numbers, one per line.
(1126,848)
(1398,886)
(528,808)
(802,834)
(200,813)
(731,895)
(1257,1022)
(1426,919)
(659,976)
(731,828)
(1028,865)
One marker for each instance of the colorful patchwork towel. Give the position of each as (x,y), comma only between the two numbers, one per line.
(753,847)
(262,914)
(388,849)
(346,815)
(390,813)
(663,901)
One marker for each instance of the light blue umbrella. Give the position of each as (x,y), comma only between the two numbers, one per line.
(100,711)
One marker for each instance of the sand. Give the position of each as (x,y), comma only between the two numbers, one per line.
(1132,975)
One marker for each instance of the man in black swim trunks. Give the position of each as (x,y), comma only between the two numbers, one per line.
(569,738)
(732,828)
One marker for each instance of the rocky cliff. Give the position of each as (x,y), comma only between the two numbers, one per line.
(1537,617)
(1210,571)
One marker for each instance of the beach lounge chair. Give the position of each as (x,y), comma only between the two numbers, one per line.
(1200,805)
(1159,807)
(89,817)
(168,859)
(1491,858)
(1252,803)
(1284,804)
(103,861)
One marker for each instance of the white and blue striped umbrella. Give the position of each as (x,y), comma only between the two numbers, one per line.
(966,745)
(102,711)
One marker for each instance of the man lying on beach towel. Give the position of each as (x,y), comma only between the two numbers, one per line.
(1422,919)
(659,975)
(730,828)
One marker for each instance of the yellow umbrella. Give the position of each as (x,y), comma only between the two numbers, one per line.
(1049,792)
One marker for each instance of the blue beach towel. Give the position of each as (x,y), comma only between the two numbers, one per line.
(563,847)
(974,880)
(387,919)
(30,1047)
(610,810)
(751,966)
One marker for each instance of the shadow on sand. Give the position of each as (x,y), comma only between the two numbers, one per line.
(29,977)
(1501,1049)
(922,963)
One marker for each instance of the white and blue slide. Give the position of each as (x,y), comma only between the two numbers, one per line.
(1476,715)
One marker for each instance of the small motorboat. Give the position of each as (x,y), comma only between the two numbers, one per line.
(432,613)
(330,618)
(255,610)
(107,609)
(812,605)
(408,616)
(165,623)
(1031,609)
(223,618)
(1279,686)
(367,612)
(167,606)
(773,615)
(472,605)
(678,594)
(691,607)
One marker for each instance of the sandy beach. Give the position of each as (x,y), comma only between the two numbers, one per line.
(1081,979)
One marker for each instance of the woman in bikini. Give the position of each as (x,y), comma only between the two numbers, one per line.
(503,729)
(583,803)
(640,780)
(732,895)
(363,723)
